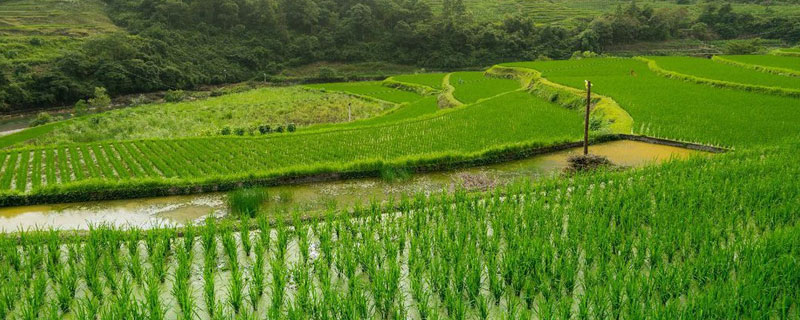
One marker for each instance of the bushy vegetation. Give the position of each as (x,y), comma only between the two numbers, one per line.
(605,245)
(162,45)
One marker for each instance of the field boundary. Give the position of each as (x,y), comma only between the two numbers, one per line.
(446,98)
(619,120)
(773,70)
(779,52)
(673,143)
(419,89)
(653,66)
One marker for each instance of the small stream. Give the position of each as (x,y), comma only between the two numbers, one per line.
(178,210)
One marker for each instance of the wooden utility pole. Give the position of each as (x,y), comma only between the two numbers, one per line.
(586,119)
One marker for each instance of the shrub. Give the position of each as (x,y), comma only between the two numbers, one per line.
(174,96)
(264,129)
(239,131)
(41,118)
(100,98)
(327,73)
(246,201)
(740,47)
(279,129)
(81,107)
(225,131)
(291,127)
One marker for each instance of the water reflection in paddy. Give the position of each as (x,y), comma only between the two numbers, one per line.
(177,210)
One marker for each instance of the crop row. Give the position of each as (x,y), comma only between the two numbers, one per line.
(684,240)
(508,119)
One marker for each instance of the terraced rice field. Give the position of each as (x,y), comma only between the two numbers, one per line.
(515,118)
(34,31)
(608,245)
(791,64)
(473,86)
(709,69)
(371,89)
(678,109)
(433,80)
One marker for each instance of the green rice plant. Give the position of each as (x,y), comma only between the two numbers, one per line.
(246,201)
(123,305)
(110,273)
(209,238)
(256,289)
(236,289)
(264,231)
(279,280)
(134,265)
(209,289)
(244,234)
(230,246)
(158,261)
(282,240)
(303,281)
(151,303)
(87,308)
(181,288)
(189,234)
(68,285)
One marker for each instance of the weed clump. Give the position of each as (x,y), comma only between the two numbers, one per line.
(589,162)
(395,174)
(246,201)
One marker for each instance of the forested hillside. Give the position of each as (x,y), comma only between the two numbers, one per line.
(166,44)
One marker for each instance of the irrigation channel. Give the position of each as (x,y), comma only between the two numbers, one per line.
(179,210)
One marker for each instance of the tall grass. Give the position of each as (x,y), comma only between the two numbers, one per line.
(247,201)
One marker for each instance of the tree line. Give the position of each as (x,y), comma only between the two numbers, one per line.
(182,44)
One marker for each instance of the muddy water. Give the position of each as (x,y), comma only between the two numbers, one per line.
(151,212)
